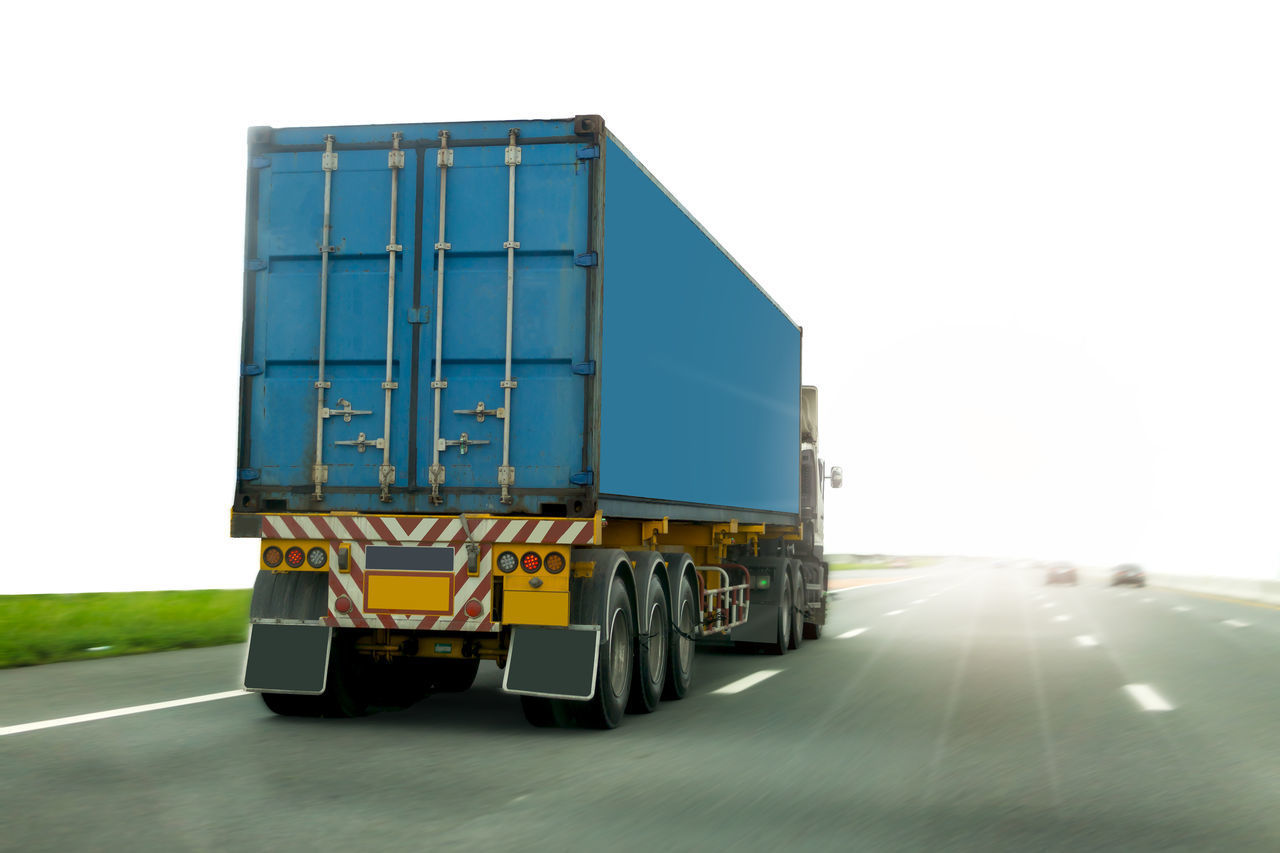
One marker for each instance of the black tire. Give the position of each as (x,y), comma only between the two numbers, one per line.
(449,675)
(347,691)
(294,705)
(649,671)
(538,712)
(680,648)
(779,646)
(395,684)
(797,611)
(617,654)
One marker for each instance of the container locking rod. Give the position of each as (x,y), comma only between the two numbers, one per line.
(329,163)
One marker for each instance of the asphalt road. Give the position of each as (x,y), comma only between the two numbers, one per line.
(964,707)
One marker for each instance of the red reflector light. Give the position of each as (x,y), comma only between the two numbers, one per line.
(272,557)
(294,557)
(342,605)
(555,562)
(531,562)
(474,608)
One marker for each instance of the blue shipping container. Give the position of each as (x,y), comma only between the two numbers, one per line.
(650,375)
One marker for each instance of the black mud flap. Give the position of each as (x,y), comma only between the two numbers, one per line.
(761,627)
(557,663)
(288,658)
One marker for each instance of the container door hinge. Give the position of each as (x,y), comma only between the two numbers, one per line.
(585,368)
(586,259)
(247,474)
(255,264)
(250,370)
(591,152)
(419,315)
(261,162)
(583,478)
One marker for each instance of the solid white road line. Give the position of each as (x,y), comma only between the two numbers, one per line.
(750,681)
(895,612)
(1236,623)
(1148,699)
(118,712)
(848,635)
(1062,617)
(876,584)
(1181,608)
(1086,640)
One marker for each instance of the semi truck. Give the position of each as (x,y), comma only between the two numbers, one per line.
(503,398)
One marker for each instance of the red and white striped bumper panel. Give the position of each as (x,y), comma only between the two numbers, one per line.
(425,530)
(361,531)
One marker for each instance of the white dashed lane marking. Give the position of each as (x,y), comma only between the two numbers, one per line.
(1086,641)
(895,612)
(1062,617)
(1148,699)
(749,681)
(848,635)
(1236,623)
(1181,608)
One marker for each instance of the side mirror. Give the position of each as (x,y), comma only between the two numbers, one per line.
(836,477)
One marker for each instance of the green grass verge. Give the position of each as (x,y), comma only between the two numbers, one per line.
(47,628)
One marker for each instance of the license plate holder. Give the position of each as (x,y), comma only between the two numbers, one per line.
(410,593)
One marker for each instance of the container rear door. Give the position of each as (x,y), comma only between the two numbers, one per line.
(286,415)
(543,430)
(544,423)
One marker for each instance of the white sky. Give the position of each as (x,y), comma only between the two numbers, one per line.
(1033,246)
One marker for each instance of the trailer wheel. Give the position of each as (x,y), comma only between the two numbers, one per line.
(349,687)
(650,670)
(452,676)
(346,693)
(680,649)
(797,611)
(613,677)
(779,646)
(538,712)
(812,631)
(293,704)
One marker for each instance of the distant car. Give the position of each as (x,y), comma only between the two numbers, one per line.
(1062,573)
(1128,573)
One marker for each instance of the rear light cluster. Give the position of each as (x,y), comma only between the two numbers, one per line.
(317,557)
(531,562)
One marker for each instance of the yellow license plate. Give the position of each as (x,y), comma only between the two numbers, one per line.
(408,592)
